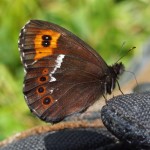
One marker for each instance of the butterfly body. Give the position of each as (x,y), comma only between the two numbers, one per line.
(63,74)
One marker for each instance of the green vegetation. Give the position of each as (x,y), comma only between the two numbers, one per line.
(104,24)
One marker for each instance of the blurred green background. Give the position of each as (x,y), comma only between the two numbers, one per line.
(103,24)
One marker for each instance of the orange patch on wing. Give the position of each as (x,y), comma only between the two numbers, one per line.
(42,51)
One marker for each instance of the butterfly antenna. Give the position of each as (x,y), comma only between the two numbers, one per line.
(123,44)
(126,53)
(134,76)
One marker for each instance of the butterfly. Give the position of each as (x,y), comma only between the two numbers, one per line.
(63,74)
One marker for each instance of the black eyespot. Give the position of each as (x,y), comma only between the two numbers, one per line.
(40,89)
(45,71)
(45,43)
(46,37)
(46,100)
(42,79)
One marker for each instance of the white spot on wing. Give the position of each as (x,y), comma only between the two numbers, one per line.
(51,91)
(24,95)
(21,59)
(19,41)
(33,62)
(28,22)
(25,71)
(25,65)
(58,61)
(24,30)
(52,78)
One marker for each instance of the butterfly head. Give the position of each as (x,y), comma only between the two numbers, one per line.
(118,68)
(110,80)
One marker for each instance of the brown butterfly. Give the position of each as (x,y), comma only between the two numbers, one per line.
(64,75)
